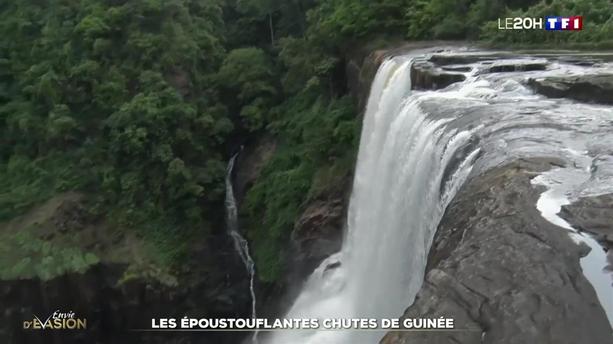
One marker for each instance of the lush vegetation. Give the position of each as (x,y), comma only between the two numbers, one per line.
(29,256)
(114,98)
(311,146)
(478,19)
(597,26)
(139,103)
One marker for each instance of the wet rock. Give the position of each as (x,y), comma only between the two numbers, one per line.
(580,61)
(250,162)
(515,67)
(317,234)
(458,59)
(363,61)
(361,68)
(462,69)
(426,76)
(593,215)
(587,88)
(504,273)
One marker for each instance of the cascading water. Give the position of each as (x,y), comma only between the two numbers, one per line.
(417,148)
(399,196)
(240,244)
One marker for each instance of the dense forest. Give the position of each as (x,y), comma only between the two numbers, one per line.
(140,103)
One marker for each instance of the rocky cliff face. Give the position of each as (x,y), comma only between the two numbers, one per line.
(250,162)
(504,273)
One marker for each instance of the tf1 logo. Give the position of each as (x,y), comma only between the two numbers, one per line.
(574,23)
(564,23)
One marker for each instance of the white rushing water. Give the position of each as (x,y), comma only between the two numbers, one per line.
(396,205)
(240,244)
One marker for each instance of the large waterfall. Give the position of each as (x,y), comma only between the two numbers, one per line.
(400,191)
(417,148)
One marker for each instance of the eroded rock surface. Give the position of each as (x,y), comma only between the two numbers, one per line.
(250,162)
(516,67)
(587,88)
(504,273)
(456,59)
(440,71)
(318,234)
(426,76)
(593,215)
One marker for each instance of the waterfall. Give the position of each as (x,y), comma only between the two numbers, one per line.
(407,172)
(240,244)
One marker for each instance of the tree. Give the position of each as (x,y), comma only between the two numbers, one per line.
(247,75)
(119,92)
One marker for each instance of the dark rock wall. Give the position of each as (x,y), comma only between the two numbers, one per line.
(215,289)
(117,295)
(252,158)
(361,69)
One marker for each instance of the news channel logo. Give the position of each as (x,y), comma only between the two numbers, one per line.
(552,23)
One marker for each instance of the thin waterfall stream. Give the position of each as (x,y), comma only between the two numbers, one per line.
(240,244)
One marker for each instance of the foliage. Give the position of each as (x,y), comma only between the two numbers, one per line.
(460,19)
(248,76)
(24,256)
(25,182)
(113,97)
(344,21)
(316,132)
(262,22)
(597,27)
(454,19)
